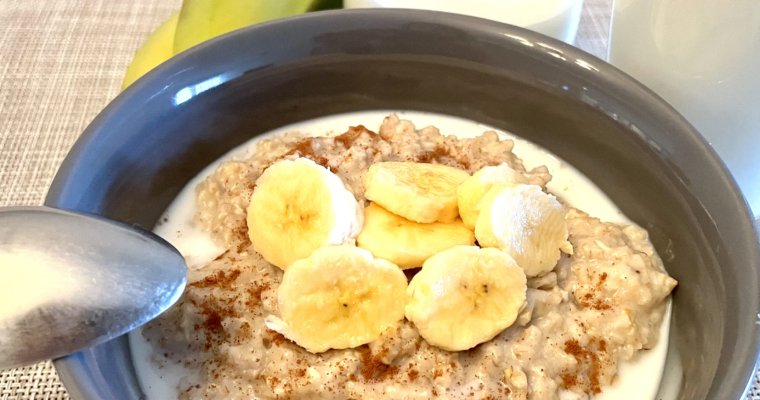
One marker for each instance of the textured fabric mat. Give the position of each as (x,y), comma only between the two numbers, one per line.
(61,62)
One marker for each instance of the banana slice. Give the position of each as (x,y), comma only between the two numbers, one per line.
(340,297)
(472,190)
(526,223)
(419,192)
(297,207)
(465,296)
(406,243)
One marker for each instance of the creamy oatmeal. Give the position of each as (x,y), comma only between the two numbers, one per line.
(596,309)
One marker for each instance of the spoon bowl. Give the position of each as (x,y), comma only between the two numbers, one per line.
(70,281)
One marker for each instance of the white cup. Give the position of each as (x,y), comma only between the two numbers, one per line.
(556,18)
(703,57)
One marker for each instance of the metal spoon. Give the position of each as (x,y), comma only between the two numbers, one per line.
(70,281)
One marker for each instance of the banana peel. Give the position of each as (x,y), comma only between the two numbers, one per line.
(201,20)
(158,48)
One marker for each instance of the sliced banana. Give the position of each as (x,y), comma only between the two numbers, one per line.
(472,190)
(526,223)
(407,243)
(465,296)
(340,297)
(419,192)
(297,207)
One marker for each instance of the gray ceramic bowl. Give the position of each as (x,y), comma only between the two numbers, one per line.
(139,152)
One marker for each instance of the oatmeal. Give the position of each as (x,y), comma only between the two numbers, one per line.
(595,309)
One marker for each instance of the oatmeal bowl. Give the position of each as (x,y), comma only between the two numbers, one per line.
(386,204)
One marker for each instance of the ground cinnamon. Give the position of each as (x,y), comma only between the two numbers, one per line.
(372,367)
(348,138)
(590,358)
(305,148)
(219,279)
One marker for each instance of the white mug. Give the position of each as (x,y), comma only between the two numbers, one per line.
(556,18)
(703,57)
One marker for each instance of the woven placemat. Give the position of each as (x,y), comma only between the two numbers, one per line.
(61,62)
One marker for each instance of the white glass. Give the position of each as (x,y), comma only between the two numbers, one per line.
(703,57)
(556,18)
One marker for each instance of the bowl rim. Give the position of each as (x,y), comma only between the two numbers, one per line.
(175,70)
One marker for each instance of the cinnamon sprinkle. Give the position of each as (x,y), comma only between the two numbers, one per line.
(245,330)
(435,155)
(348,138)
(214,313)
(305,148)
(254,295)
(241,234)
(591,298)
(442,155)
(277,338)
(413,374)
(372,368)
(219,279)
(213,309)
(590,364)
